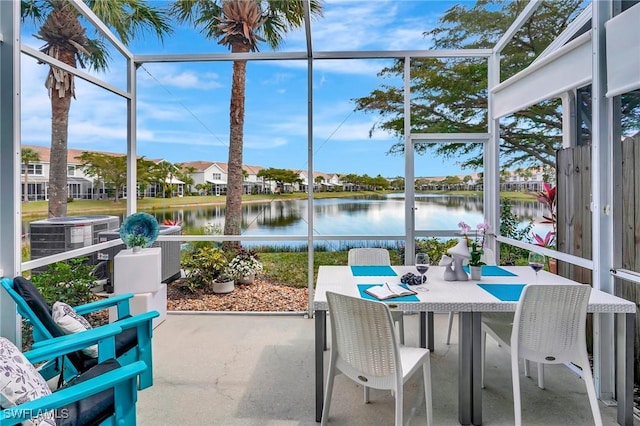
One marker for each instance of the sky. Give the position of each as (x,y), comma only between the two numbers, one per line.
(183,108)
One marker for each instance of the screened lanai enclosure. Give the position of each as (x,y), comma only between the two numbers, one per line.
(589,76)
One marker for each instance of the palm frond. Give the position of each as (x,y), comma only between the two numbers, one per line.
(240,22)
(34,11)
(284,16)
(225,20)
(129,18)
(97,55)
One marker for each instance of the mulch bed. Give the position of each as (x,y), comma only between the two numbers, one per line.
(260,296)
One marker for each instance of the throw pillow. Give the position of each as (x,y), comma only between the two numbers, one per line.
(20,382)
(70,322)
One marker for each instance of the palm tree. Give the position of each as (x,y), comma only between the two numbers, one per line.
(28,156)
(185,175)
(66,40)
(240,25)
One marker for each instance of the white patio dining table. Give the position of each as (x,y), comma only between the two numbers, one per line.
(470,300)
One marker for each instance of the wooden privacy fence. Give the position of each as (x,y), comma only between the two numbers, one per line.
(573,209)
(630,225)
(573,212)
(574,219)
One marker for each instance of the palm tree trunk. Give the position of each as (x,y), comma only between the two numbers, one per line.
(60,107)
(233,213)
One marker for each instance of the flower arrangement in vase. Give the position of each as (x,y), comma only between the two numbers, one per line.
(244,266)
(476,244)
(476,247)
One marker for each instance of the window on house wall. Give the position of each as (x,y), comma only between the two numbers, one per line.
(71,170)
(74,190)
(33,169)
(217,176)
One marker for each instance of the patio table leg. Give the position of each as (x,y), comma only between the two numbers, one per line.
(469,369)
(320,344)
(476,361)
(426,330)
(624,370)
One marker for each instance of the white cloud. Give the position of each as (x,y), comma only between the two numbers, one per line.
(181,137)
(95,114)
(334,122)
(89,130)
(374,25)
(178,76)
(277,78)
(264,142)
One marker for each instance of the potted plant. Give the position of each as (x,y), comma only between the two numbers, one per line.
(136,242)
(244,266)
(476,247)
(205,267)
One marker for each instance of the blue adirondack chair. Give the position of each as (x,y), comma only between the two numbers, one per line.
(105,394)
(133,344)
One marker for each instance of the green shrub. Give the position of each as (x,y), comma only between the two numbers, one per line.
(509,227)
(434,247)
(69,282)
(25,250)
(203,266)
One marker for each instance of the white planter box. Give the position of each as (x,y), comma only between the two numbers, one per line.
(145,302)
(139,272)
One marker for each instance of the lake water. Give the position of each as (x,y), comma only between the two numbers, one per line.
(368,215)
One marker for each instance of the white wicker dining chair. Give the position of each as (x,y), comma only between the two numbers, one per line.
(364,347)
(377,256)
(369,256)
(549,327)
(489,258)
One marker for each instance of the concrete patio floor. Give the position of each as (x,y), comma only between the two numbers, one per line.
(249,369)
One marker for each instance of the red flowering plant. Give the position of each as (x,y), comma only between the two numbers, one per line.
(476,243)
(547,197)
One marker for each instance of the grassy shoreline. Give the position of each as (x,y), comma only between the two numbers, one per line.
(40,208)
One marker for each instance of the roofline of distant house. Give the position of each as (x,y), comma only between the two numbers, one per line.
(254,167)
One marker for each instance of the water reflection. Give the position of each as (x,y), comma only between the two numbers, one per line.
(371,215)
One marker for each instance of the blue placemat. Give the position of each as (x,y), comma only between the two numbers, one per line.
(504,292)
(365,295)
(492,271)
(373,271)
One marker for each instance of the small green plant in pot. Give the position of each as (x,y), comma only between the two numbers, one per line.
(203,266)
(139,230)
(137,240)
